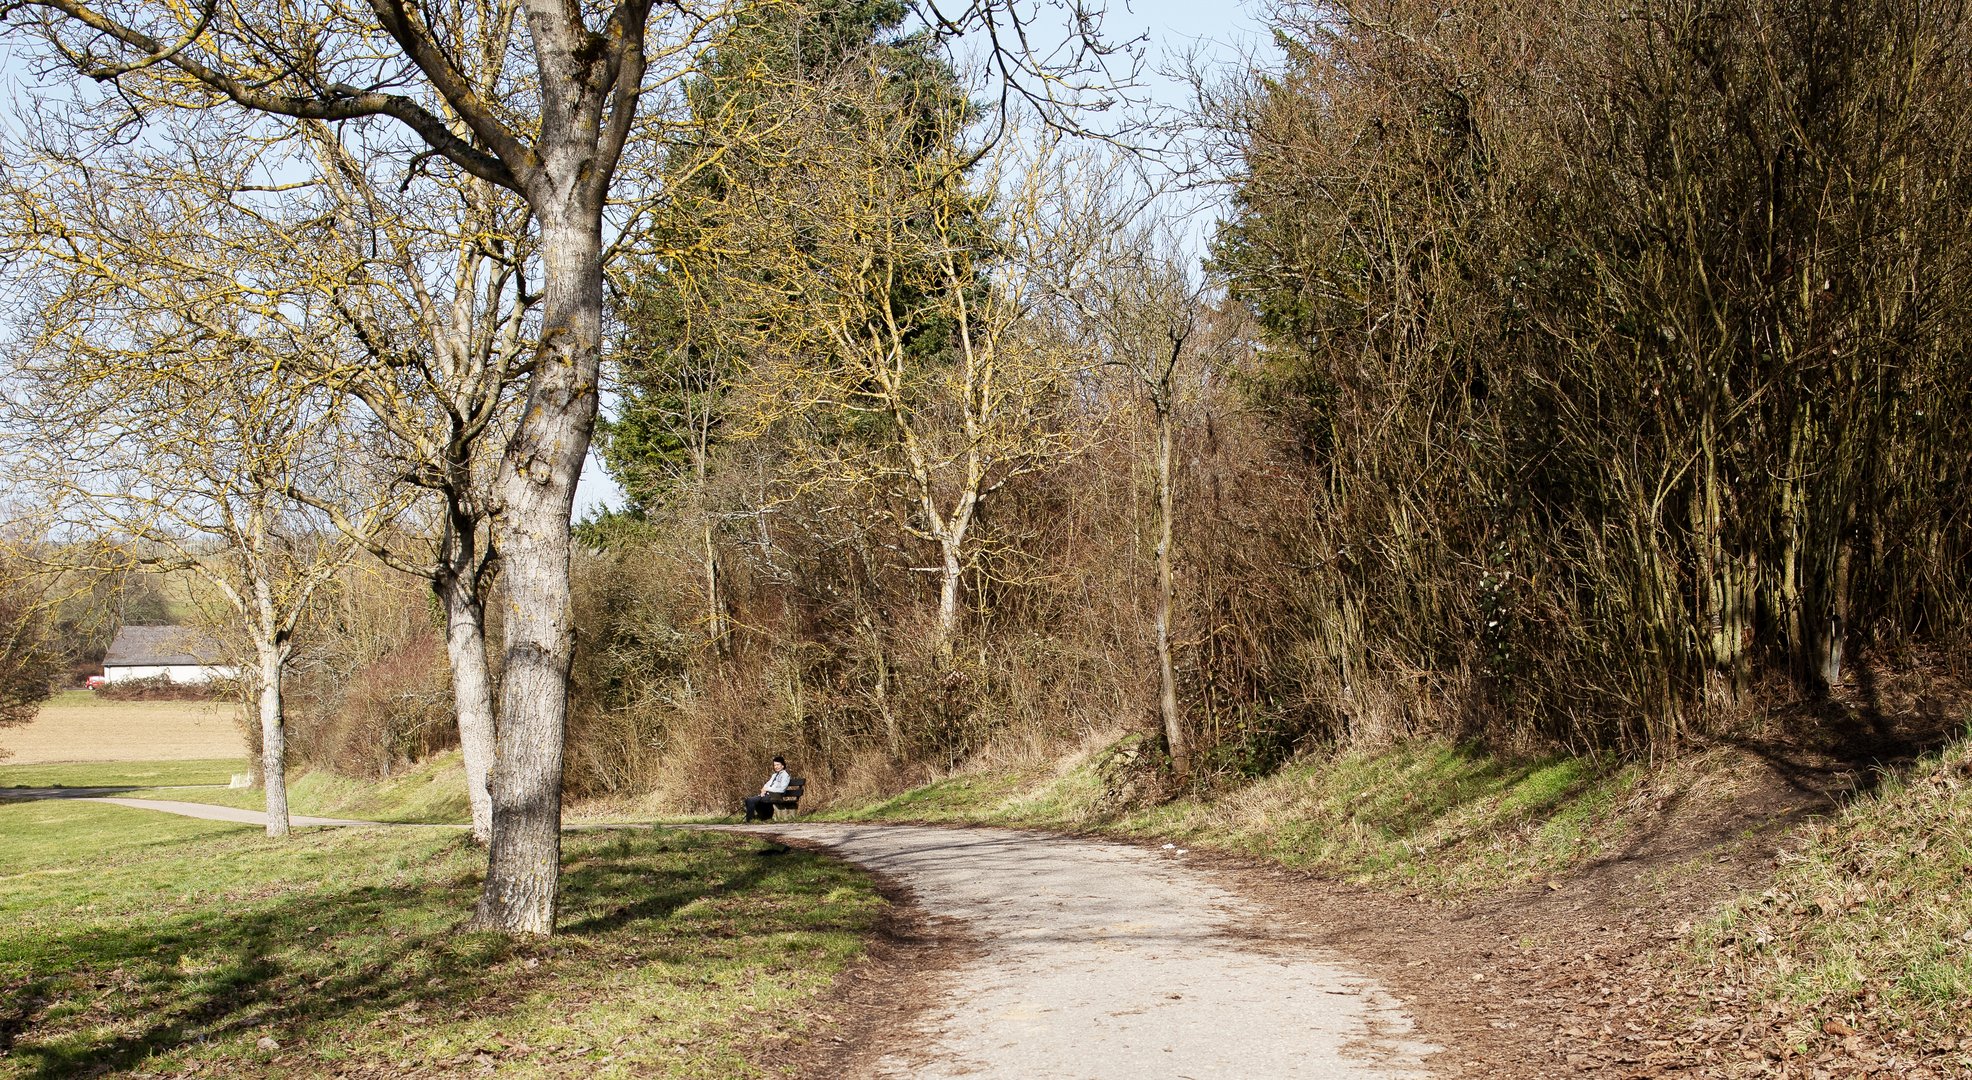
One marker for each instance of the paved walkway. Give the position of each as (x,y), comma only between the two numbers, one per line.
(207,811)
(1102,960)
(226,813)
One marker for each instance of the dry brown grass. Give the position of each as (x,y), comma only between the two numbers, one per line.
(77,726)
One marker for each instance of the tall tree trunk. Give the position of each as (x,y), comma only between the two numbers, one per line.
(1836,635)
(951,534)
(536,496)
(1788,601)
(1167,676)
(715,603)
(950,580)
(472,693)
(273,736)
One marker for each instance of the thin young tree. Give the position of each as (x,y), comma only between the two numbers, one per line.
(889,322)
(1145,311)
(184,457)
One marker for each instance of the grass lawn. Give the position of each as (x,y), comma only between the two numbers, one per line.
(432,793)
(137,774)
(140,943)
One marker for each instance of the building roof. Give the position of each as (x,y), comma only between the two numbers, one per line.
(162,646)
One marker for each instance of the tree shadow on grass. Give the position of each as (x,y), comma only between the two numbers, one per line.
(612,887)
(36,793)
(107,998)
(144,989)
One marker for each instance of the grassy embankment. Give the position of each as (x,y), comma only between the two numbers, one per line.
(1868,920)
(433,792)
(133,941)
(1432,817)
(1868,927)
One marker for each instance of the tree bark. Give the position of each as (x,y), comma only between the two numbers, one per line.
(472,693)
(715,602)
(950,533)
(1838,618)
(1788,602)
(273,736)
(951,579)
(536,496)
(1167,677)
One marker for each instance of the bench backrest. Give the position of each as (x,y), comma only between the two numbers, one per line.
(794,787)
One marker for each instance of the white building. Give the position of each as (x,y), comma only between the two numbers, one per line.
(178,654)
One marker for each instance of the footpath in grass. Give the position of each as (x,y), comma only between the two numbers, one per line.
(142,944)
(131,774)
(432,793)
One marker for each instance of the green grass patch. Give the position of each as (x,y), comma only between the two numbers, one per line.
(432,793)
(108,701)
(140,774)
(80,699)
(980,797)
(137,942)
(1435,816)
(1870,924)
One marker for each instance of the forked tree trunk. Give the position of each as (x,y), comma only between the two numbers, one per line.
(950,533)
(273,736)
(472,694)
(536,495)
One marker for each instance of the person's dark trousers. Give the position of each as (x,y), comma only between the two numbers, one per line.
(760,806)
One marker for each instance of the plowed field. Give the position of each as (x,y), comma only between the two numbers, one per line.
(78,727)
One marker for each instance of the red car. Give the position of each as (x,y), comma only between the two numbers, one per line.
(94,681)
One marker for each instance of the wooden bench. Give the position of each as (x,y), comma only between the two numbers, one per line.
(790,800)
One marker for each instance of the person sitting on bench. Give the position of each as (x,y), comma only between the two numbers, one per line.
(761,806)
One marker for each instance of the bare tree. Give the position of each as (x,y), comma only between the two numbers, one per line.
(28,660)
(546,113)
(408,301)
(189,473)
(1144,310)
(439,387)
(892,342)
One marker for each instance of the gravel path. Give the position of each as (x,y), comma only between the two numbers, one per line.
(1101,960)
(1093,961)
